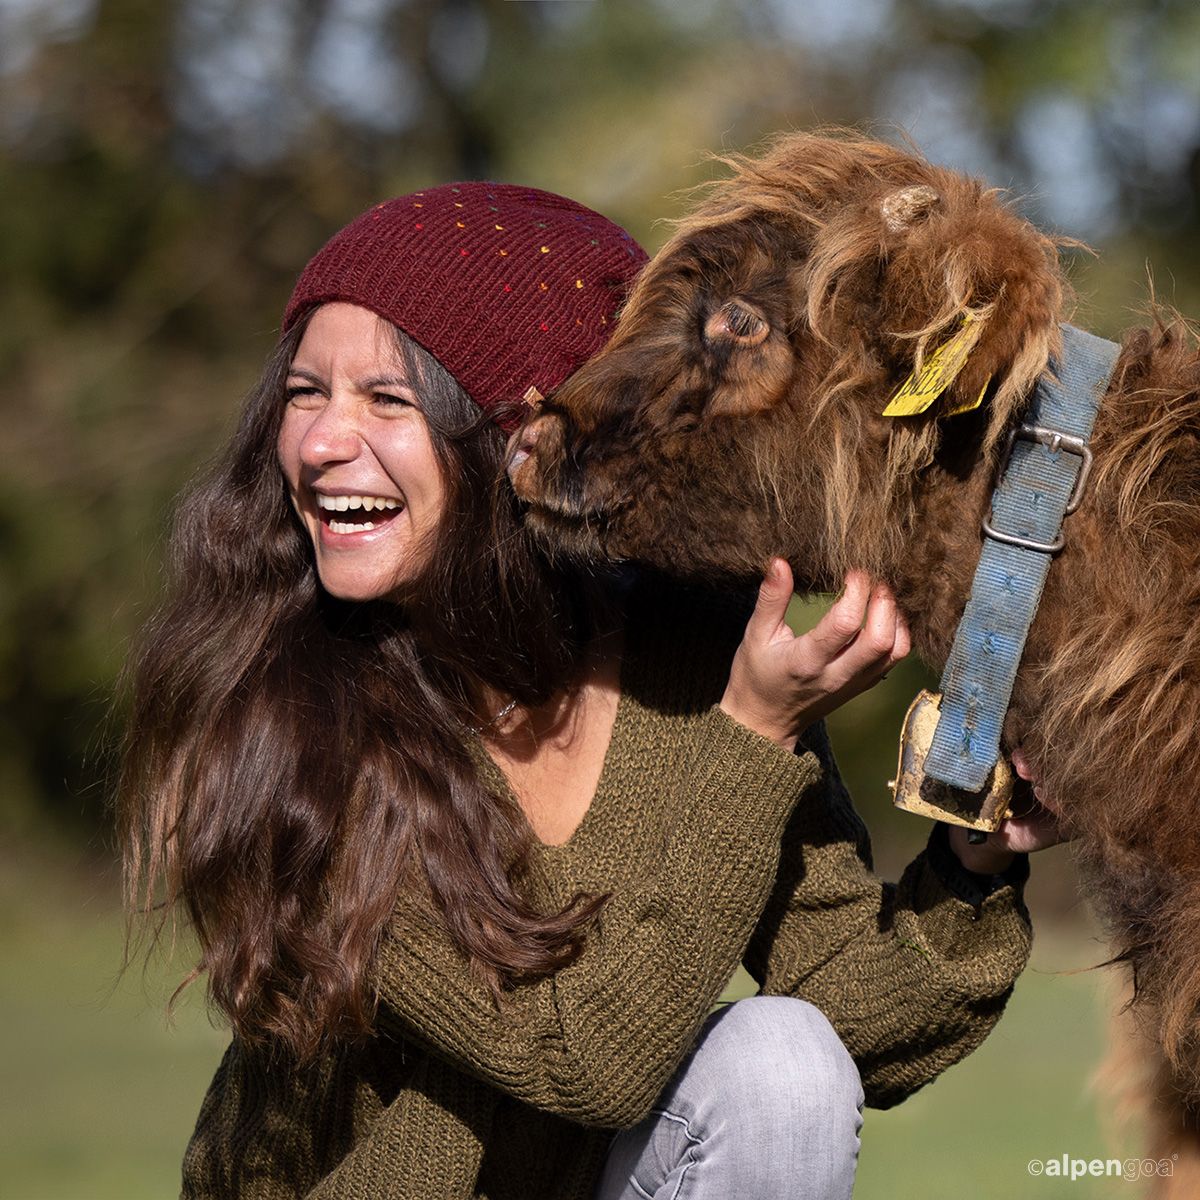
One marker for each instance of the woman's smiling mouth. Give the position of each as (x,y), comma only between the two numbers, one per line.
(344,514)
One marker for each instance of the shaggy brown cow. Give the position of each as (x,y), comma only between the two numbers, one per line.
(736,414)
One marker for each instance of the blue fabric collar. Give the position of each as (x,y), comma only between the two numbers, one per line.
(1047,466)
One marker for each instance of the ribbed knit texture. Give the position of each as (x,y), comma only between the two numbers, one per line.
(719,847)
(507,287)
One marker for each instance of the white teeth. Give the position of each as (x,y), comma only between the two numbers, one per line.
(343,503)
(360,506)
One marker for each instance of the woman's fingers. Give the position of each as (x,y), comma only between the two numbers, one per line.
(774,593)
(842,621)
(858,640)
(879,645)
(879,632)
(903,643)
(1021,764)
(891,640)
(1024,769)
(1035,830)
(780,684)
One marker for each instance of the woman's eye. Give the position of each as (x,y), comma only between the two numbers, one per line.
(298,395)
(389,398)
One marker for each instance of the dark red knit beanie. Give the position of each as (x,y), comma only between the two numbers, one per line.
(509,288)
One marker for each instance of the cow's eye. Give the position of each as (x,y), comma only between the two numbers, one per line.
(737,323)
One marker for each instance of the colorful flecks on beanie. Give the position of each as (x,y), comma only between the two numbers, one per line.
(510,288)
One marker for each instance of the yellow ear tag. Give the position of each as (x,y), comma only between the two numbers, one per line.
(937,373)
(967,405)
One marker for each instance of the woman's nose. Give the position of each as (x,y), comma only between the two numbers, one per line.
(332,436)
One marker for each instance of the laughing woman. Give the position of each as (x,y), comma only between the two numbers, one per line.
(471,840)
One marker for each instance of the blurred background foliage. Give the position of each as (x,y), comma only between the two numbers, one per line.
(167,166)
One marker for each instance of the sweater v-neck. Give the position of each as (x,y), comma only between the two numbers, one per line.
(607,784)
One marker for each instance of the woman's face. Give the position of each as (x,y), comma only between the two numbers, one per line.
(357,455)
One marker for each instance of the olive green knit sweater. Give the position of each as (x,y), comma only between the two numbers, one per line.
(719,848)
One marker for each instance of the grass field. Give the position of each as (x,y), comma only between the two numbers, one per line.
(99,1096)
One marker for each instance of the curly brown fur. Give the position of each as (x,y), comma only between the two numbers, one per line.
(1110,695)
(806,236)
(736,414)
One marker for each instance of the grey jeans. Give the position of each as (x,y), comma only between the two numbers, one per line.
(767,1105)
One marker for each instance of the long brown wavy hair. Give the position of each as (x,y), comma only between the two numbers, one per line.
(293,761)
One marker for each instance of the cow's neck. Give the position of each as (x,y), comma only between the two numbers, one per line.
(931,572)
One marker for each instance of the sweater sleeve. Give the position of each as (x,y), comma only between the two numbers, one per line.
(271,1131)
(598,1040)
(262,1131)
(913,975)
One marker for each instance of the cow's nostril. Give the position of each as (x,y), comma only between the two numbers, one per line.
(520,446)
(516,459)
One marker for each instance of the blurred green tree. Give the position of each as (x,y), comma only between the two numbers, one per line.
(168,165)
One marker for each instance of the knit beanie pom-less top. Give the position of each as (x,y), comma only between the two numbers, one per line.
(509,288)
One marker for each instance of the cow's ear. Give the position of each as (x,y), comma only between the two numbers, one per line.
(736,323)
(908,206)
(966,300)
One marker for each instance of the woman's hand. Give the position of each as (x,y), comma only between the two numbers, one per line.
(779,684)
(1033,830)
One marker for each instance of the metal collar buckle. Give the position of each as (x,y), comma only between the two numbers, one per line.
(1055,440)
